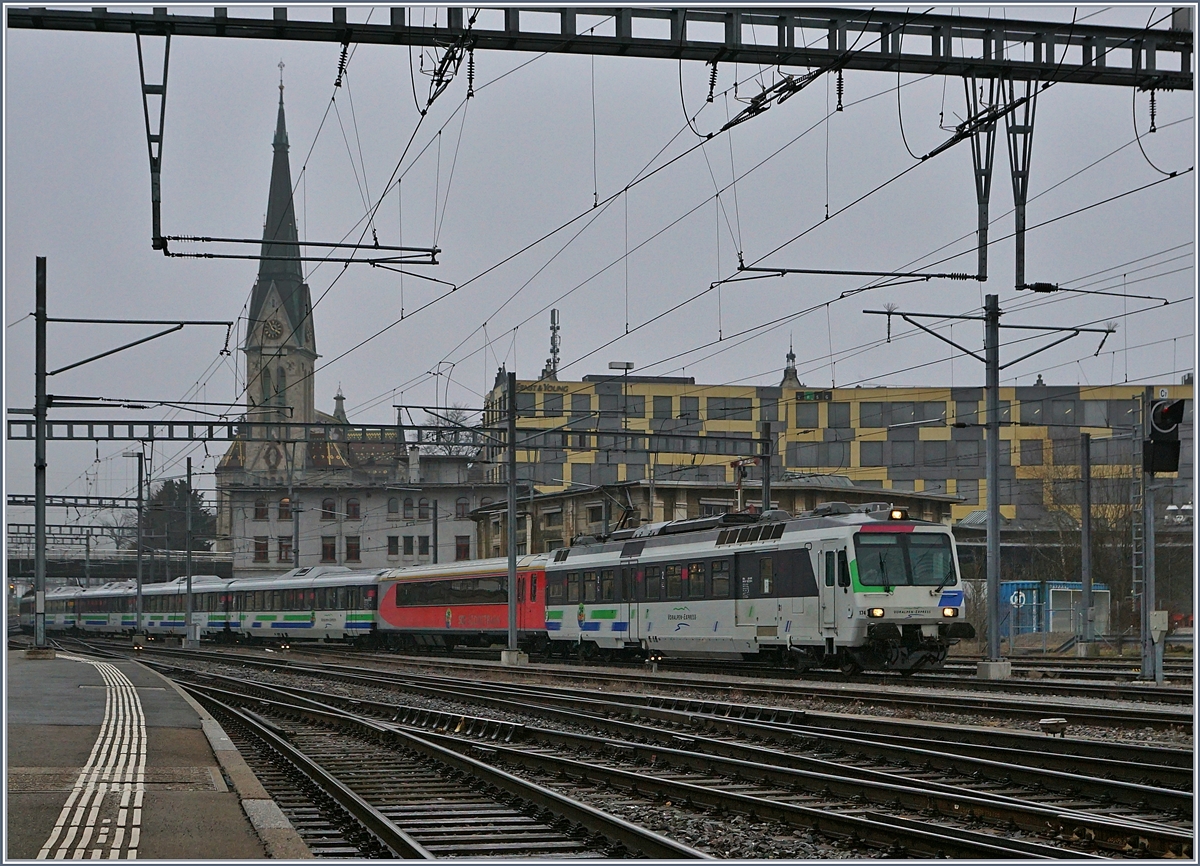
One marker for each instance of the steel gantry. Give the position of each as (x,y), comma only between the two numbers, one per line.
(909,41)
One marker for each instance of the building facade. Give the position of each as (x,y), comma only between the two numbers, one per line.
(363,504)
(606,430)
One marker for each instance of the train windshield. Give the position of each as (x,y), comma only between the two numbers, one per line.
(904,559)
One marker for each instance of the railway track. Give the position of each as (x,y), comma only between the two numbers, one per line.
(726,767)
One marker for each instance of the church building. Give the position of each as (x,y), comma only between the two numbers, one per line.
(368,504)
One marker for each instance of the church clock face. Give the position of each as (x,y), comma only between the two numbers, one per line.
(272,329)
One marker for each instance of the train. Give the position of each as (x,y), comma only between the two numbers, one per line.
(865,588)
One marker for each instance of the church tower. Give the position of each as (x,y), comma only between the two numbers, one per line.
(280,346)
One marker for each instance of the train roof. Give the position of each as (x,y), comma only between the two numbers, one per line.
(305,578)
(464,568)
(734,529)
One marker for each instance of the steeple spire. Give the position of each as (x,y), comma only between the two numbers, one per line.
(280,263)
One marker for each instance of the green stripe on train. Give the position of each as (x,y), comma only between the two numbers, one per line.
(554,614)
(602,614)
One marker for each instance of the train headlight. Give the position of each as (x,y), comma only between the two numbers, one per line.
(898,514)
(875,612)
(949,611)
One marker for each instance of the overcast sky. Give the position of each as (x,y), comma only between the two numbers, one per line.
(485,177)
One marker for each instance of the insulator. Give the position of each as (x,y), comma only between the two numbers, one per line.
(1153,113)
(712,81)
(341,65)
(841,88)
(470,72)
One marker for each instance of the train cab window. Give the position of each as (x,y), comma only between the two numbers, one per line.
(674,582)
(766,575)
(694,578)
(829,568)
(653,583)
(843,569)
(720,579)
(606,585)
(589,587)
(533,587)
(573,587)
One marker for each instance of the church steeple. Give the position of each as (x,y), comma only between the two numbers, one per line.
(280,263)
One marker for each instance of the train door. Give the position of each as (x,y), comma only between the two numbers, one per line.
(744,567)
(828,588)
(626,593)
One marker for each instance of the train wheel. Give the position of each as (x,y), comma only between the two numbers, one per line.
(587,651)
(850,667)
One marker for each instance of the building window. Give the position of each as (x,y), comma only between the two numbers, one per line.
(285,509)
(285,548)
(328,509)
(328,548)
(393,505)
(839,416)
(689,408)
(408,508)
(635,406)
(525,404)
(261,512)
(552,405)
(462,547)
(352,548)
(871,415)
(870,454)
(554,518)
(408,545)
(1031,452)
(353,511)
(393,545)
(662,407)
(461,507)
(260,549)
(595,513)
(423,509)
(807,415)
(423,545)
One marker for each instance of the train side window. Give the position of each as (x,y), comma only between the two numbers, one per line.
(533,587)
(695,580)
(573,587)
(626,586)
(843,569)
(520,589)
(829,568)
(766,575)
(720,579)
(653,583)
(369,594)
(606,585)
(555,589)
(589,587)
(674,582)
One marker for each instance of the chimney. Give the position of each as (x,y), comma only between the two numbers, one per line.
(414,464)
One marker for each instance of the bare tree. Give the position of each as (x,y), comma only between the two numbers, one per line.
(454,436)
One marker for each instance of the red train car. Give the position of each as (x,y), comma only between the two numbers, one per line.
(462,604)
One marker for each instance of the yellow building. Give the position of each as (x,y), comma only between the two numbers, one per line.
(609,429)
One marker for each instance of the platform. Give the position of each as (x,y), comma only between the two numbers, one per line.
(108,760)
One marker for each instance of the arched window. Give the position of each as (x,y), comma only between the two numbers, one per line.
(352,510)
(461,507)
(328,509)
(261,512)
(486,501)
(393,505)
(280,387)
(423,509)
(285,509)
(408,508)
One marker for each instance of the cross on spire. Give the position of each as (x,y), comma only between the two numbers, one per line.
(281,65)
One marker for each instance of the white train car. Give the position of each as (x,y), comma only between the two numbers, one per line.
(835,587)
(320,603)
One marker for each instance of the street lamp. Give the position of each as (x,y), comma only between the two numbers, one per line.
(624,367)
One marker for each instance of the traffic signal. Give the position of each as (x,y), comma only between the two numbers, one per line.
(1160,453)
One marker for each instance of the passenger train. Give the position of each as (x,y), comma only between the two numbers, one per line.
(865,589)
